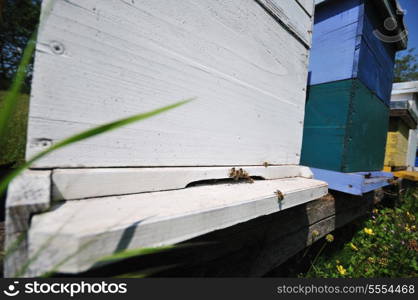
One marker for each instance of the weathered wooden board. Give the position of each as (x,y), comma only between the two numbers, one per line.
(308,6)
(292,16)
(28,194)
(97,61)
(71,184)
(252,248)
(95,227)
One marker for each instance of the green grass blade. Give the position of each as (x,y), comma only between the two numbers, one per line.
(121,255)
(87,134)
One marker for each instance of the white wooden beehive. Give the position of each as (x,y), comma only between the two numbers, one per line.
(100,60)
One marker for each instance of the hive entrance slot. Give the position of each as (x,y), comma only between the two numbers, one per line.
(222,181)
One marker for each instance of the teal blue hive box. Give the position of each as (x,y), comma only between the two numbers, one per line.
(345,128)
(351,74)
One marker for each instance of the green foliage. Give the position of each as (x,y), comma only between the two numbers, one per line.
(12,150)
(18,19)
(406,67)
(386,246)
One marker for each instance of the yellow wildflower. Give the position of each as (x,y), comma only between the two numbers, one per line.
(371,260)
(315,233)
(337,261)
(341,270)
(413,227)
(375,211)
(329,238)
(383,261)
(353,247)
(407,228)
(368,231)
(410,216)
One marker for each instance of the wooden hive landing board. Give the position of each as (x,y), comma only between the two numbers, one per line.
(96,227)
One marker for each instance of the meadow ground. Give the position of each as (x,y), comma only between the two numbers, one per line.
(381,244)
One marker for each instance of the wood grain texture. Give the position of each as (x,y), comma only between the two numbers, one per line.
(95,227)
(71,184)
(255,247)
(97,61)
(292,16)
(28,194)
(308,6)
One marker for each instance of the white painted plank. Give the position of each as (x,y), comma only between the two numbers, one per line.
(408,93)
(293,15)
(412,149)
(27,194)
(118,58)
(71,184)
(308,5)
(405,87)
(96,227)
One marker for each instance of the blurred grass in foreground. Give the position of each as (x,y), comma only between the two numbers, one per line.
(12,150)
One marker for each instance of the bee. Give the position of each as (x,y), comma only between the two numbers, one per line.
(240,174)
(232,173)
(265,164)
(279,195)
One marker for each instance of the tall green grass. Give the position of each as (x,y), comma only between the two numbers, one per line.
(12,149)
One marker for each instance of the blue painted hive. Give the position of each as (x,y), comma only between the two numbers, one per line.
(351,73)
(351,40)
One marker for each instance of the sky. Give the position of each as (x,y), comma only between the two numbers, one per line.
(411,18)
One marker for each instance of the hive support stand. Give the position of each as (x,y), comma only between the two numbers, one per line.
(353,183)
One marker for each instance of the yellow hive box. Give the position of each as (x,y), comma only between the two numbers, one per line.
(409,175)
(397,143)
